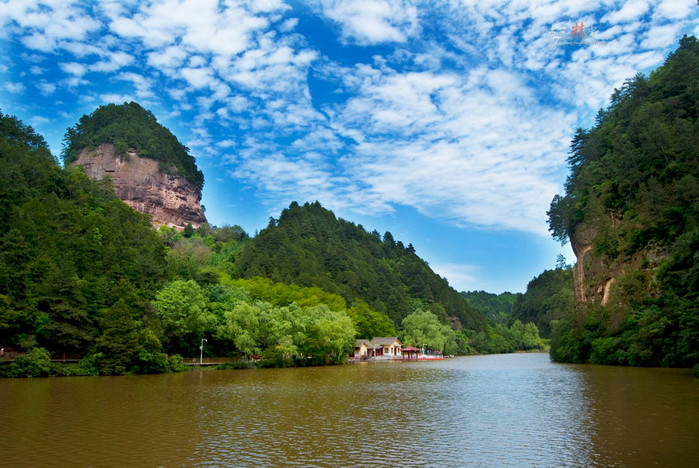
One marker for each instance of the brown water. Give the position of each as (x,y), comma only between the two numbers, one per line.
(503,410)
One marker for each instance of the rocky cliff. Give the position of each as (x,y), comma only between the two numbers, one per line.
(170,200)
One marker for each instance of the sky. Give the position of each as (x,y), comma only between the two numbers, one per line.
(446,123)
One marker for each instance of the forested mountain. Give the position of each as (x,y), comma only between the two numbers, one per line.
(549,297)
(131,127)
(631,212)
(309,246)
(496,307)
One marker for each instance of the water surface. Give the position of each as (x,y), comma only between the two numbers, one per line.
(502,410)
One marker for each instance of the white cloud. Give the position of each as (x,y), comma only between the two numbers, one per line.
(74,68)
(659,37)
(114,61)
(461,277)
(197,77)
(46,88)
(142,84)
(45,26)
(374,21)
(14,88)
(630,11)
(675,9)
(203,26)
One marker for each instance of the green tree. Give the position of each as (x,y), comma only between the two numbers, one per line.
(181,307)
(34,363)
(329,335)
(241,325)
(118,345)
(424,328)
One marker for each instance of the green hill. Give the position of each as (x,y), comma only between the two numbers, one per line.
(549,297)
(631,212)
(309,246)
(496,307)
(69,251)
(130,126)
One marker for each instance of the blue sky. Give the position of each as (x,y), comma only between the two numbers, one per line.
(445,123)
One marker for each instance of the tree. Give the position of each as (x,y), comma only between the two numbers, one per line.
(424,328)
(181,307)
(329,335)
(118,345)
(241,325)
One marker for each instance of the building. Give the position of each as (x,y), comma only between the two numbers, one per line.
(383,347)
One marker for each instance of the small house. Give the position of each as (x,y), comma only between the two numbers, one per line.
(387,346)
(362,349)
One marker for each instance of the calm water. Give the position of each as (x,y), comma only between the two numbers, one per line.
(504,410)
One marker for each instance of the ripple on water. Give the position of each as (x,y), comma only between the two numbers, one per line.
(510,410)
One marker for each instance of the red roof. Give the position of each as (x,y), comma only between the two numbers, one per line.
(410,348)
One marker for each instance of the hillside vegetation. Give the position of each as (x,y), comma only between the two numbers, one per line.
(83,274)
(309,246)
(131,127)
(632,198)
(549,297)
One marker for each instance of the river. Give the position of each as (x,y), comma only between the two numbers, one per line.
(502,410)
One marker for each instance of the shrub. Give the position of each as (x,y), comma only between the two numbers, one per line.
(35,363)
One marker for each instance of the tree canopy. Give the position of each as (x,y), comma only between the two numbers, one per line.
(310,247)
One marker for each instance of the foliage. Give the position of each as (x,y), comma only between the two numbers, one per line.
(68,248)
(82,273)
(499,338)
(35,363)
(310,247)
(131,127)
(549,297)
(423,328)
(496,307)
(633,184)
(183,315)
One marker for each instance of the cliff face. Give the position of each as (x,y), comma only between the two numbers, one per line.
(596,277)
(170,200)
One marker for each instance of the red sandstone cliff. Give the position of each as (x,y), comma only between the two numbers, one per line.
(170,200)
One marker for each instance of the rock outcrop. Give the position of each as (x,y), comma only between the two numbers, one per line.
(595,276)
(170,200)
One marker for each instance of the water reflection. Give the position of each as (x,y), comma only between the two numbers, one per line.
(509,410)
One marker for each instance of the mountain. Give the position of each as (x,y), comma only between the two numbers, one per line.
(496,307)
(549,297)
(631,213)
(150,169)
(309,246)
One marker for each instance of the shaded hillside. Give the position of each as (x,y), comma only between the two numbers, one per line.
(631,213)
(496,307)
(131,127)
(549,297)
(309,246)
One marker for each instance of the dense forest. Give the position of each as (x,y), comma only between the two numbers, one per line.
(496,307)
(632,199)
(549,297)
(309,246)
(131,127)
(84,275)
